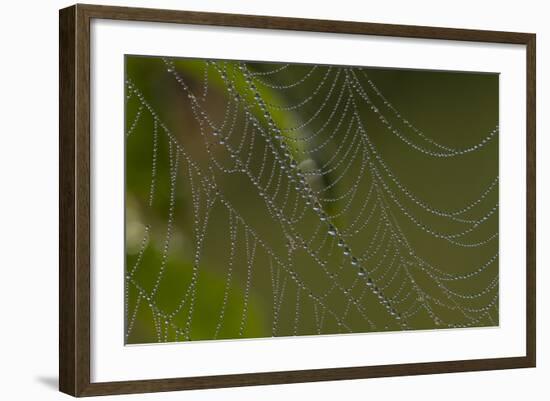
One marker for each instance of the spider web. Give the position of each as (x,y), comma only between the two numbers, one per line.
(334,246)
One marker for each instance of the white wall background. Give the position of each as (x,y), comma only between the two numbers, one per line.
(28,198)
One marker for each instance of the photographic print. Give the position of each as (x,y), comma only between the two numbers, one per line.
(271,199)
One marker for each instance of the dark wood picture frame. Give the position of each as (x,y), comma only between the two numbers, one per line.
(74,200)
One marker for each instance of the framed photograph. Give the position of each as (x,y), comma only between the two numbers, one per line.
(251,200)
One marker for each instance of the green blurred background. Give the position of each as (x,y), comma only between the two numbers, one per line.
(452,108)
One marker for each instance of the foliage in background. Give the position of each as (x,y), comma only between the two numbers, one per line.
(402,154)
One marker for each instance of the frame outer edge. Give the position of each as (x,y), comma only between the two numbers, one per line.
(74,203)
(67,177)
(82,200)
(531,321)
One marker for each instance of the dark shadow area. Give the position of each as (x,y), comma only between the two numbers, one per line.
(49,381)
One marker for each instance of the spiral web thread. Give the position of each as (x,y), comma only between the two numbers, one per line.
(380,274)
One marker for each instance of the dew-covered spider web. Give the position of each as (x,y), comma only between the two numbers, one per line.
(269,199)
